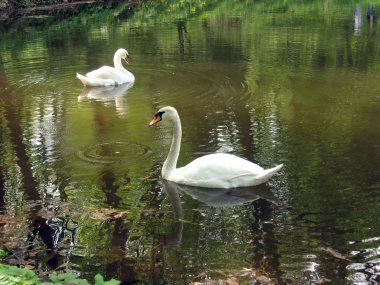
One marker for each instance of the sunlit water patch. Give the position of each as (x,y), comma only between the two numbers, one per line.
(365,265)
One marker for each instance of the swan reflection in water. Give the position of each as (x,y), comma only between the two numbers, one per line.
(212,197)
(108,94)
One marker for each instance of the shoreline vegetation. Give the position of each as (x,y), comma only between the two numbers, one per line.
(12,11)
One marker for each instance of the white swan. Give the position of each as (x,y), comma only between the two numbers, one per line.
(219,170)
(106,75)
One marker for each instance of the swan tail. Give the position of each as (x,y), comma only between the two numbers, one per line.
(83,79)
(261,177)
(268,173)
(90,81)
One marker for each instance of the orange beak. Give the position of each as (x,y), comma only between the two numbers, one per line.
(155,121)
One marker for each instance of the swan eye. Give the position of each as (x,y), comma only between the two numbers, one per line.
(157,118)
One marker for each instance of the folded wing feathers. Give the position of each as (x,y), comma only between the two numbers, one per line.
(267,172)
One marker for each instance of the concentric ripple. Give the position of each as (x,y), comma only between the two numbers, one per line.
(106,153)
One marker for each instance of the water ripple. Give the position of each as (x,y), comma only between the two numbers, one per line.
(106,153)
(189,85)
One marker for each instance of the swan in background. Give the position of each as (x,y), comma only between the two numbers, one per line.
(218,170)
(108,76)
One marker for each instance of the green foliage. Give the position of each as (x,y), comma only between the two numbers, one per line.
(15,275)
(99,280)
(12,275)
(65,278)
(3,253)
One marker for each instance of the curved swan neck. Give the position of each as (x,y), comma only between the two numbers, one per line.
(170,163)
(117,61)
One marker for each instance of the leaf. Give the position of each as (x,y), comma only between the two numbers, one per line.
(54,278)
(3,253)
(26,273)
(15,275)
(5,279)
(83,282)
(67,278)
(99,280)
(113,282)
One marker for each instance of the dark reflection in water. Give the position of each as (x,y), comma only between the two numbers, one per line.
(11,115)
(259,198)
(219,198)
(110,189)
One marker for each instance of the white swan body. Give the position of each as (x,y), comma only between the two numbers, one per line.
(108,76)
(219,170)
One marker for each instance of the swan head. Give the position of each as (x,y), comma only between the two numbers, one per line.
(123,54)
(164,114)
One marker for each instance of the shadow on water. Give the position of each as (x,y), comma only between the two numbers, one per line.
(214,197)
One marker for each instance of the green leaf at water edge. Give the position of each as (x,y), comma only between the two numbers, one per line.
(3,253)
(67,278)
(4,279)
(99,280)
(22,276)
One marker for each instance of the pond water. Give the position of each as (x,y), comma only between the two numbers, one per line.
(297,84)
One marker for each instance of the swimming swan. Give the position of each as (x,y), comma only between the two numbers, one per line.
(218,170)
(108,76)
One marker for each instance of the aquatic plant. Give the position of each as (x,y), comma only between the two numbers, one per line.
(21,276)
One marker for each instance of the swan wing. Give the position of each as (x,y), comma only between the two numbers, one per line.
(107,72)
(93,81)
(219,170)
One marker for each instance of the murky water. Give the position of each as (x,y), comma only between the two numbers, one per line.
(293,84)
